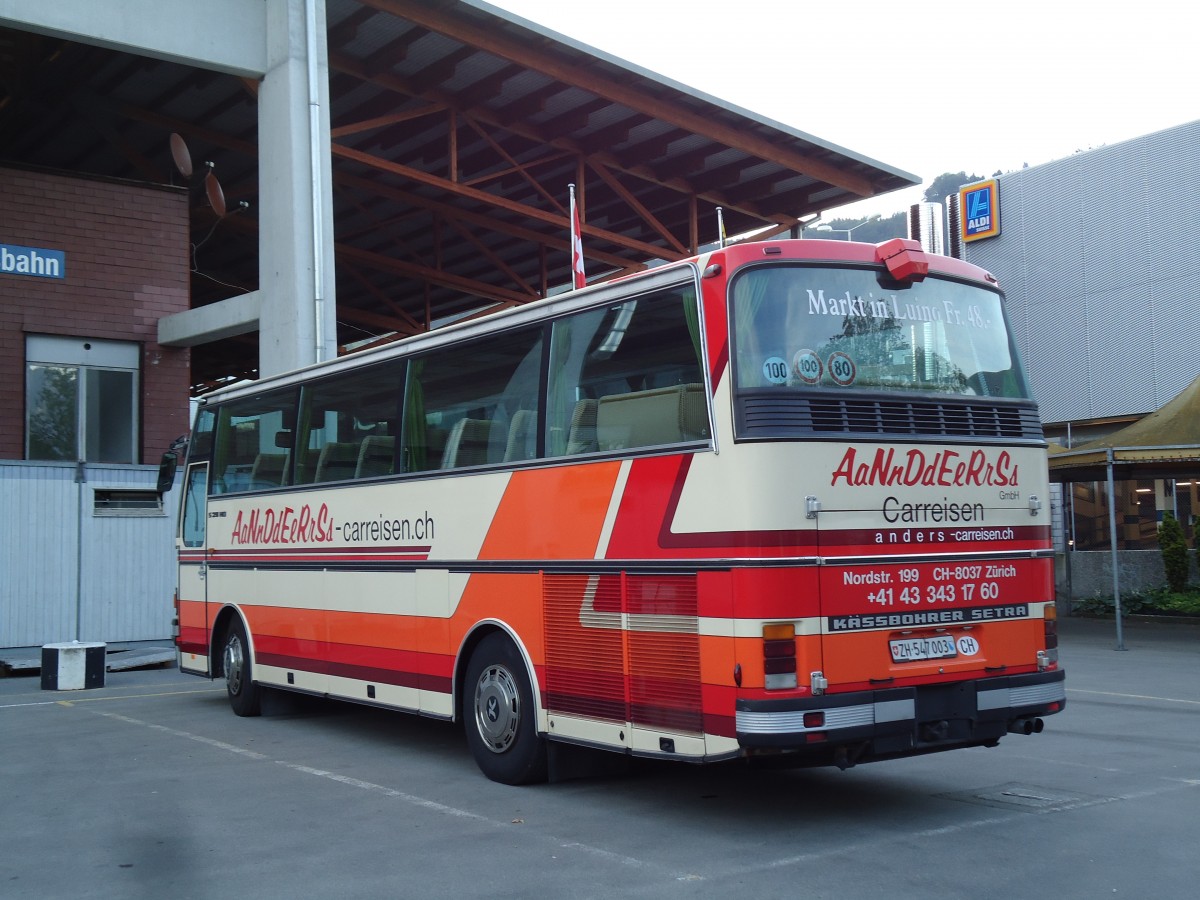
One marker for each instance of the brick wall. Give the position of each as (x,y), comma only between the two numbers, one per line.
(127,265)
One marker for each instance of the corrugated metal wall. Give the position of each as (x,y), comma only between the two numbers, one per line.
(1099,256)
(67,573)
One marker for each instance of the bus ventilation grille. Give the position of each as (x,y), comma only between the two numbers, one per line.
(789,416)
(624,648)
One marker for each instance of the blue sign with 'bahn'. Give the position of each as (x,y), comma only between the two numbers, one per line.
(34,261)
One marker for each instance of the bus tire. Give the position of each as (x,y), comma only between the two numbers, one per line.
(245,697)
(498,712)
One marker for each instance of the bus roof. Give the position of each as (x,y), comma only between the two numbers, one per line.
(733,256)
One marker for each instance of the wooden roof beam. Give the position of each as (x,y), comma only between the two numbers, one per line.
(625,194)
(347,29)
(377,320)
(489,86)
(430,274)
(446,211)
(392,52)
(439,19)
(523,170)
(381,121)
(522,129)
(530,105)
(515,167)
(650,251)
(411,325)
(495,260)
(576,119)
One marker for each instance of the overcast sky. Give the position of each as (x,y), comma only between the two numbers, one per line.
(925,87)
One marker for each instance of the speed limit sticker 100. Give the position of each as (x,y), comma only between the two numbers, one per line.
(806,366)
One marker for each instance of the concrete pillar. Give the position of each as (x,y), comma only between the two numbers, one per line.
(297,323)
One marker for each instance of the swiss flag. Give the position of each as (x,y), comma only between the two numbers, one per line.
(578,278)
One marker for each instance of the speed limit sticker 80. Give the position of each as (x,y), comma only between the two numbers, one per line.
(841,368)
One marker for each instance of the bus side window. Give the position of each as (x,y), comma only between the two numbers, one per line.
(474,404)
(348,425)
(200,443)
(627,376)
(246,453)
(192,520)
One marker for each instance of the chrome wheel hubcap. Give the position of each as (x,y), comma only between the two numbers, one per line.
(497,708)
(235,664)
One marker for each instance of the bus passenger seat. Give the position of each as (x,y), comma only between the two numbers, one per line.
(468,444)
(582,436)
(522,436)
(376,456)
(693,412)
(337,462)
(666,415)
(268,470)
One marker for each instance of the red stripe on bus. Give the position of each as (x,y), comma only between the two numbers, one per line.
(648,507)
(372,674)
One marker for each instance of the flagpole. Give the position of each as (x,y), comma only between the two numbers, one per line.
(578,276)
(720,227)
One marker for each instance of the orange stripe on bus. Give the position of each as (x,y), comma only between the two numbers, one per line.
(555,513)
(292,622)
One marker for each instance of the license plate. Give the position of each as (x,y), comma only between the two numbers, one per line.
(913,649)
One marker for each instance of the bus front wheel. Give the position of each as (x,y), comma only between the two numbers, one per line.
(244,695)
(498,711)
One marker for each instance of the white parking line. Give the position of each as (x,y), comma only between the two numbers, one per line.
(74,700)
(1133,696)
(411,799)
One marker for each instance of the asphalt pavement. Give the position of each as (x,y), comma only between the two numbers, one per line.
(151,787)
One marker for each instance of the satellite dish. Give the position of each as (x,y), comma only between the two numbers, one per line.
(181,156)
(216,196)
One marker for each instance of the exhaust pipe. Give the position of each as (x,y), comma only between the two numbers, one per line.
(1026,726)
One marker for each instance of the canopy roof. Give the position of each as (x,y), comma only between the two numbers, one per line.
(1162,444)
(456,128)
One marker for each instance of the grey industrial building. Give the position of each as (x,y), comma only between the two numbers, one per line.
(1097,256)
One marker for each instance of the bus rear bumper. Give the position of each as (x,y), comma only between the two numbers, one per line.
(901,721)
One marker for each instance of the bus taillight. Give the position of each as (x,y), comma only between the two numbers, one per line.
(175,620)
(1049,657)
(779,656)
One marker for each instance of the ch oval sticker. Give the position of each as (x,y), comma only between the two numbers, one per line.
(967,645)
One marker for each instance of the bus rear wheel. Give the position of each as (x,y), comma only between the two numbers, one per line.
(245,697)
(498,711)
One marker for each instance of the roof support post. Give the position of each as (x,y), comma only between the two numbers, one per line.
(298,321)
(1112,541)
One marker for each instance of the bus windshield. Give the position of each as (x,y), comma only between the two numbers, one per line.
(800,327)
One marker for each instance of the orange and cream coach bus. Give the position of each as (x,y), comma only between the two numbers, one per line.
(785,499)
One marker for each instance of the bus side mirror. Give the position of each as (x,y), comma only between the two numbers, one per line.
(166,471)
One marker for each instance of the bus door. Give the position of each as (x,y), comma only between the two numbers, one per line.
(192,546)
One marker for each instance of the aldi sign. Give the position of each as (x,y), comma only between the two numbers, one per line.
(979,207)
(35,261)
